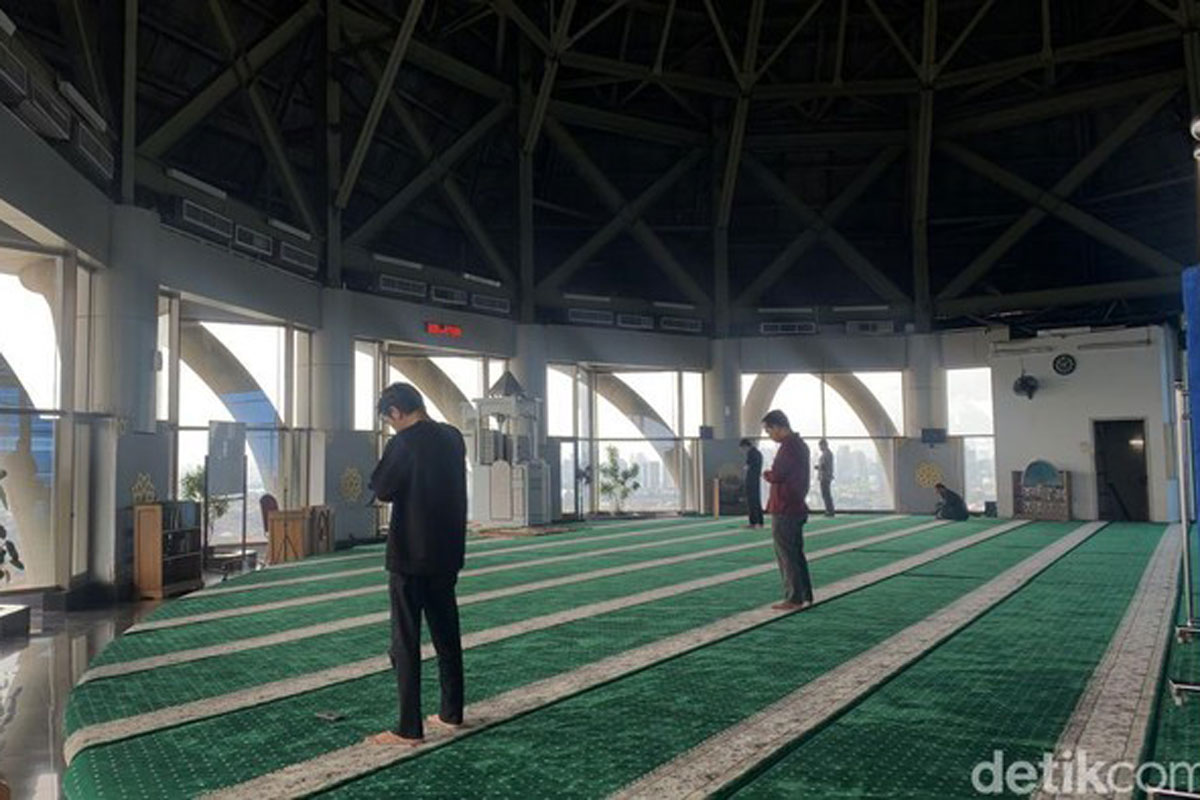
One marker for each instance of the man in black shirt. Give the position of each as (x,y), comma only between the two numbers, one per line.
(754,462)
(423,475)
(950,505)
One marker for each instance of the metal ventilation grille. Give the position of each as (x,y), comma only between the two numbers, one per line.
(449,296)
(14,77)
(484,302)
(42,110)
(197,216)
(681,324)
(390,284)
(588,316)
(297,257)
(95,151)
(254,241)
(638,322)
(871,327)
(786,328)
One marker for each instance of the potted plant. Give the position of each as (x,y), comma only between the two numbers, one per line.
(617,482)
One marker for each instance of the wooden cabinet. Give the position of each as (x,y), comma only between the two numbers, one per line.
(299,533)
(167,549)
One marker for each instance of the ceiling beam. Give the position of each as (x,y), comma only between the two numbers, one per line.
(433,172)
(780,48)
(820,228)
(741,111)
(1051,203)
(382,92)
(1065,187)
(558,44)
(922,155)
(227,82)
(129,41)
(273,146)
(962,37)
(611,197)
(510,9)
(467,217)
(628,214)
(79,29)
(1050,298)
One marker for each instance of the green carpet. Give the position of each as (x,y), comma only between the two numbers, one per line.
(1009,681)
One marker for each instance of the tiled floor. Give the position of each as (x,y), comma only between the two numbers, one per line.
(36,675)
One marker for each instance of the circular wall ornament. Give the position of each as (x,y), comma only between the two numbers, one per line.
(1064,363)
(928,475)
(351,485)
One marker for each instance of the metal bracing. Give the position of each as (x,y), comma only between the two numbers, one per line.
(459,204)
(330,136)
(1059,192)
(922,153)
(437,168)
(628,215)
(245,67)
(611,196)
(80,29)
(559,41)
(297,196)
(1052,203)
(1050,298)
(820,228)
(129,100)
(382,92)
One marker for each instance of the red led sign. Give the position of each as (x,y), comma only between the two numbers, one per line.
(443,329)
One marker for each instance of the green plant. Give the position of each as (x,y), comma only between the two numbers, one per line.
(191,487)
(616,482)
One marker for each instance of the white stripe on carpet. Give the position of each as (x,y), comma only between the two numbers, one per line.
(339,766)
(222,704)
(209,616)
(731,754)
(1110,720)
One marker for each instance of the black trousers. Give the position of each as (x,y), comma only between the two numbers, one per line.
(432,595)
(827,496)
(754,502)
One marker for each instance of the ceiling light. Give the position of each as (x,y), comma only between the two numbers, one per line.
(397,262)
(195,183)
(280,225)
(470,276)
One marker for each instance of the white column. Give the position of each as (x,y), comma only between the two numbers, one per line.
(333,365)
(529,367)
(925,402)
(723,390)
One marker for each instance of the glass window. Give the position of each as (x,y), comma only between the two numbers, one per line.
(888,389)
(301,379)
(861,472)
(83,340)
(366,392)
(27,444)
(560,401)
(655,390)
(464,372)
(397,375)
(198,403)
(496,367)
(658,474)
(800,397)
(979,471)
(840,418)
(260,351)
(162,365)
(693,403)
(29,354)
(969,401)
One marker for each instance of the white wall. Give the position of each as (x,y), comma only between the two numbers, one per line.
(1121,374)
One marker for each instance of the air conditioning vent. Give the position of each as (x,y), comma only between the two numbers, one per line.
(95,151)
(871,327)
(638,322)
(681,324)
(589,316)
(14,77)
(787,328)
(253,241)
(195,215)
(298,257)
(43,111)
(391,284)
(448,296)
(497,305)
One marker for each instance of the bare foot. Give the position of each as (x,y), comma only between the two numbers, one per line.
(433,720)
(393,738)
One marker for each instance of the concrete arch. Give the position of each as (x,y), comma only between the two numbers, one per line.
(434,384)
(238,391)
(857,395)
(648,422)
(860,399)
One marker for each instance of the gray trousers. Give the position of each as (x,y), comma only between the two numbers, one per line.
(788,533)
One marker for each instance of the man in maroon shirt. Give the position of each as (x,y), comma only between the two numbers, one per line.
(789,477)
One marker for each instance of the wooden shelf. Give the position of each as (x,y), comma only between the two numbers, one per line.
(152,566)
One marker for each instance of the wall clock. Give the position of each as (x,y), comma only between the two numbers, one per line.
(1064,364)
